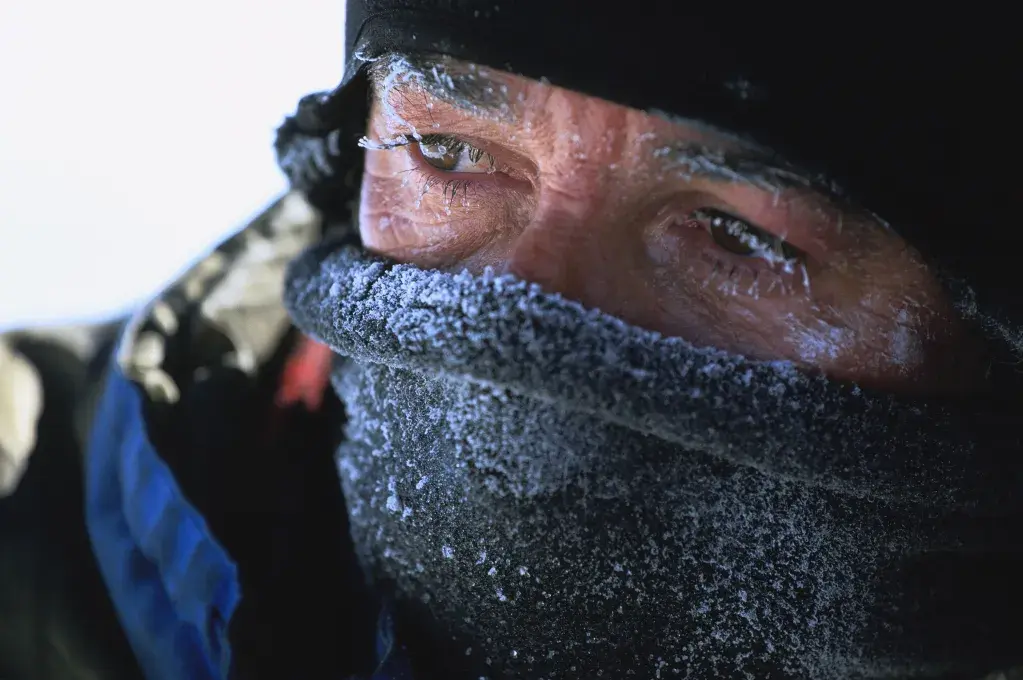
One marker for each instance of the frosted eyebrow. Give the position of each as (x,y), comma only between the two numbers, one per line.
(755,167)
(466,87)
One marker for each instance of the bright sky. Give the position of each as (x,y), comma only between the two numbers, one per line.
(134,135)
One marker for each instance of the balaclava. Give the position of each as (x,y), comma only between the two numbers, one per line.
(543,491)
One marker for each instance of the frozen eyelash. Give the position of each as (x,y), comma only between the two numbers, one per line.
(448,143)
(452,190)
(385,144)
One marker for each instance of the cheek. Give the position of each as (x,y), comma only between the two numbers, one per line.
(885,315)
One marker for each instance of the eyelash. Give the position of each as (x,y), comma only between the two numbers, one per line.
(778,258)
(451,186)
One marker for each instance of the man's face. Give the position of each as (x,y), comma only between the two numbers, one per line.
(670,225)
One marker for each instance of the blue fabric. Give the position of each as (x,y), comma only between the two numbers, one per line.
(392,664)
(173,586)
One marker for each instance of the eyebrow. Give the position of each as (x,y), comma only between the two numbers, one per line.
(469,88)
(758,167)
(466,87)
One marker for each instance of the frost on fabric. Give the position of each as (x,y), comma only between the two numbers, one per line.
(308,159)
(572,479)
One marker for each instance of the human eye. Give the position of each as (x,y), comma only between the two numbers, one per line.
(744,239)
(447,153)
(720,247)
(754,247)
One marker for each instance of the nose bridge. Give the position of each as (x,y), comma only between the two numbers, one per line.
(577,238)
(565,248)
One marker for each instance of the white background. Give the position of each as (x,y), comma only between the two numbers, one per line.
(134,135)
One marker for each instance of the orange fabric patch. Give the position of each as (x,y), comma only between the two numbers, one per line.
(305,376)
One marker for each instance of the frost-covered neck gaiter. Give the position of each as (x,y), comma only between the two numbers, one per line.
(544,491)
